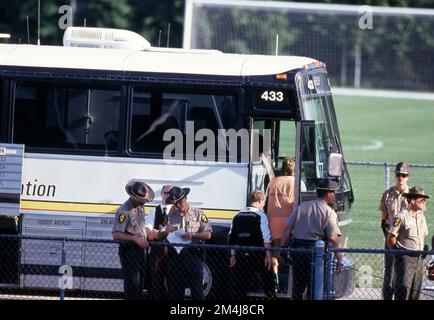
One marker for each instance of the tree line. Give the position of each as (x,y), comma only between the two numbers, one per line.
(149,18)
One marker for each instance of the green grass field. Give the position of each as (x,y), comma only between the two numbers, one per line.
(384,130)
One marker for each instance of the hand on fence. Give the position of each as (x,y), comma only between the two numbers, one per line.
(267,261)
(339,262)
(275,260)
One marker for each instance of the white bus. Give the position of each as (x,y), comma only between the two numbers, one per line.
(92,114)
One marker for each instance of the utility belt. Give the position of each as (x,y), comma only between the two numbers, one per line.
(409,253)
(301,243)
(130,246)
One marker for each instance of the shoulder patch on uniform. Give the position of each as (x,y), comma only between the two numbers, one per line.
(121,218)
(396,222)
(204,218)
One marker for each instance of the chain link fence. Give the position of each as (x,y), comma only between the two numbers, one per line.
(369,180)
(368,266)
(49,268)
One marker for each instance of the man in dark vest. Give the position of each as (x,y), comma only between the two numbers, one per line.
(250,228)
(158,258)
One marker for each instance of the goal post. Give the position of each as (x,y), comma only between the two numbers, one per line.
(364,47)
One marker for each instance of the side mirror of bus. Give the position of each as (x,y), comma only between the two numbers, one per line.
(335,165)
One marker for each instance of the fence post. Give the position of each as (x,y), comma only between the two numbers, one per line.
(62,287)
(329,274)
(386,176)
(318,276)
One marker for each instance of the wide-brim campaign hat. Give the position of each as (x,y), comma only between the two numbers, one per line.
(415,193)
(402,167)
(139,190)
(176,194)
(325,184)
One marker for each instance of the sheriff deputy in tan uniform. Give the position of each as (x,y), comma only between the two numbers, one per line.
(129,227)
(185,267)
(309,222)
(408,232)
(392,202)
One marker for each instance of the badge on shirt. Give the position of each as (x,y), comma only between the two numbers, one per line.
(121,218)
(396,222)
(204,218)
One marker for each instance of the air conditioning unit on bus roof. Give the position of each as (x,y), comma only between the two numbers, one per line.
(104,38)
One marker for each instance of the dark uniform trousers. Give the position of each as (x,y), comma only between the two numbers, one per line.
(158,263)
(389,274)
(248,264)
(185,271)
(133,262)
(409,276)
(302,269)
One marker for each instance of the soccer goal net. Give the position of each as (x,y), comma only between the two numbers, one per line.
(363,46)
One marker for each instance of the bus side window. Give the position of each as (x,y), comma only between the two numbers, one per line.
(152,115)
(160,111)
(93,117)
(203,118)
(66,117)
(30,111)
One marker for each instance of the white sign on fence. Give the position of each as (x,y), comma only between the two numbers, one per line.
(11,165)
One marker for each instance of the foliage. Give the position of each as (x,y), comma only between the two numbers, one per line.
(148,17)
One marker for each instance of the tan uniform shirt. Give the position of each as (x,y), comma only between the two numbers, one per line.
(313,220)
(130,220)
(280,203)
(393,202)
(193,221)
(409,231)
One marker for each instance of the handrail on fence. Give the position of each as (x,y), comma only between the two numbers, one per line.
(159,243)
(382,251)
(223,246)
(388,164)
(323,263)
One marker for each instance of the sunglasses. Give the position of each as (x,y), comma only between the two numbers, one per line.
(402,175)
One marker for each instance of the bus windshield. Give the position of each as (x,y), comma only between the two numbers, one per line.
(315,108)
(317,105)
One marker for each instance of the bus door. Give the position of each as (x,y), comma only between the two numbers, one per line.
(261,156)
(279,139)
(272,142)
(307,164)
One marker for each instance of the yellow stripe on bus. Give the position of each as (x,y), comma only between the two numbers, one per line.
(103,208)
(68,206)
